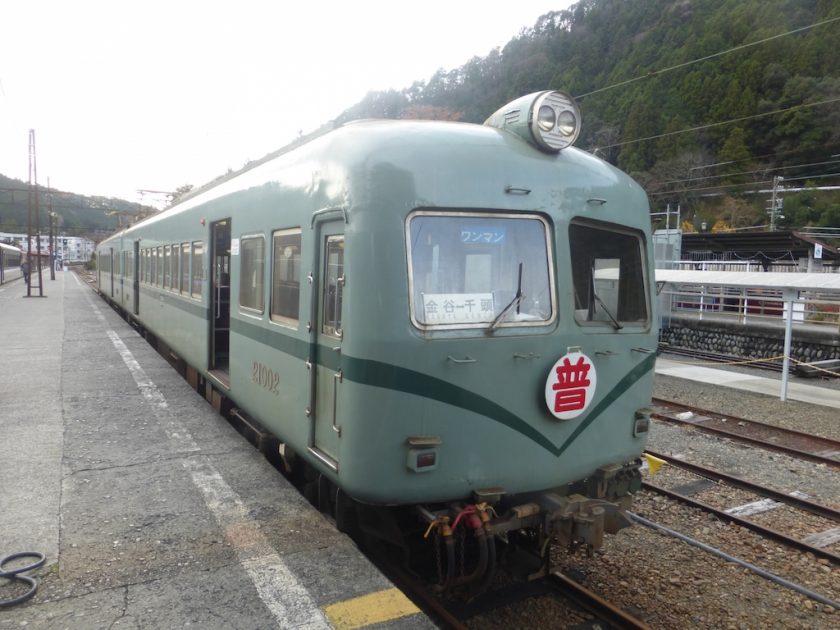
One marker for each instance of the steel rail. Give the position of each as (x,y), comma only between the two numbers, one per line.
(820,443)
(731,518)
(417,592)
(789,499)
(594,603)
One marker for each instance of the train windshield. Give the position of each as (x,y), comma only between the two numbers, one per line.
(608,275)
(470,270)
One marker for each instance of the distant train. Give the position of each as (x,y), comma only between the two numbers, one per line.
(449,320)
(10,260)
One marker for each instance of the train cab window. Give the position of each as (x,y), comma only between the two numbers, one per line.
(184,286)
(252,273)
(285,277)
(480,270)
(608,274)
(197,269)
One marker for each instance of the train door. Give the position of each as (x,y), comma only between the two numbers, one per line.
(122,257)
(220,300)
(136,276)
(329,335)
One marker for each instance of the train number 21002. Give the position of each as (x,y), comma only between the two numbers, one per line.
(265,377)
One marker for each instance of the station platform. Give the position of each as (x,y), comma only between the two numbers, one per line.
(153,512)
(796,390)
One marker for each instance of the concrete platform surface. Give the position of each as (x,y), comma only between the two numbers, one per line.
(152,511)
(770,386)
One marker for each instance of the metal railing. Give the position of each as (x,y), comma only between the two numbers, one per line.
(750,305)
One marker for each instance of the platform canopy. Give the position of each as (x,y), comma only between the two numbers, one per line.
(822,282)
(764,247)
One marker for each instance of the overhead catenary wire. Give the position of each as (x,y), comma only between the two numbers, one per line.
(760,170)
(722,187)
(707,57)
(720,123)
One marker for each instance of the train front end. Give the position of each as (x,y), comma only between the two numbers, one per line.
(512,396)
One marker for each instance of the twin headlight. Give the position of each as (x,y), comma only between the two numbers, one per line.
(555,120)
(550,120)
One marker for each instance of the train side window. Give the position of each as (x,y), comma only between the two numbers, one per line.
(184,286)
(252,273)
(197,269)
(129,265)
(161,266)
(608,275)
(153,266)
(333,286)
(176,267)
(143,262)
(285,277)
(167,267)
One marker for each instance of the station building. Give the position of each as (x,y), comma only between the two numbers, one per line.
(69,249)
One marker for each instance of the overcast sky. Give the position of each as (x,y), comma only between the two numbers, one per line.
(127,95)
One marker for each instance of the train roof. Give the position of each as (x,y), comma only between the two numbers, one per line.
(366,142)
(10,247)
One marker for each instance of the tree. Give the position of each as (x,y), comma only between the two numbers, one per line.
(179,193)
(429,112)
(734,156)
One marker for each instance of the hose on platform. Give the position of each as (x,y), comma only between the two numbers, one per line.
(15,575)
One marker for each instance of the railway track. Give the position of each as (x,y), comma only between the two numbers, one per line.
(730,515)
(794,443)
(455,614)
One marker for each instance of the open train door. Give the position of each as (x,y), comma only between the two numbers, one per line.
(135,274)
(220,242)
(329,288)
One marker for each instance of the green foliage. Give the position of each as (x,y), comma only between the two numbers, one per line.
(91,217)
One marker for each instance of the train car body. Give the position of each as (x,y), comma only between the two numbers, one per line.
(10,260)
(426,312)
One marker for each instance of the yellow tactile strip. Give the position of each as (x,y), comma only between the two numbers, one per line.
(369,609)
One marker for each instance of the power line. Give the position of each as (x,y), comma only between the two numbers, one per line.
(712,56)
(775,155)
(760,170)
(719,124)
(723,187)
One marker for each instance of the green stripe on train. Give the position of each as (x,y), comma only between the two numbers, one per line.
(392,377)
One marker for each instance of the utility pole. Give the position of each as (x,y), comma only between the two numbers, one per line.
(775,209)
(50,216)
(33,210)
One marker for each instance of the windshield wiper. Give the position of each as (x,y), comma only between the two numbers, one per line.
(517,299)
(615,323)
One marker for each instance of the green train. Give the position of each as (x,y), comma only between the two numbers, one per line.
(448,326)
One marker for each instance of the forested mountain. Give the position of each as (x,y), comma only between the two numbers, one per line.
(726,124)
(92,217)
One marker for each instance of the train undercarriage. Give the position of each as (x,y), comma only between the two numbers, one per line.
(461,546)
